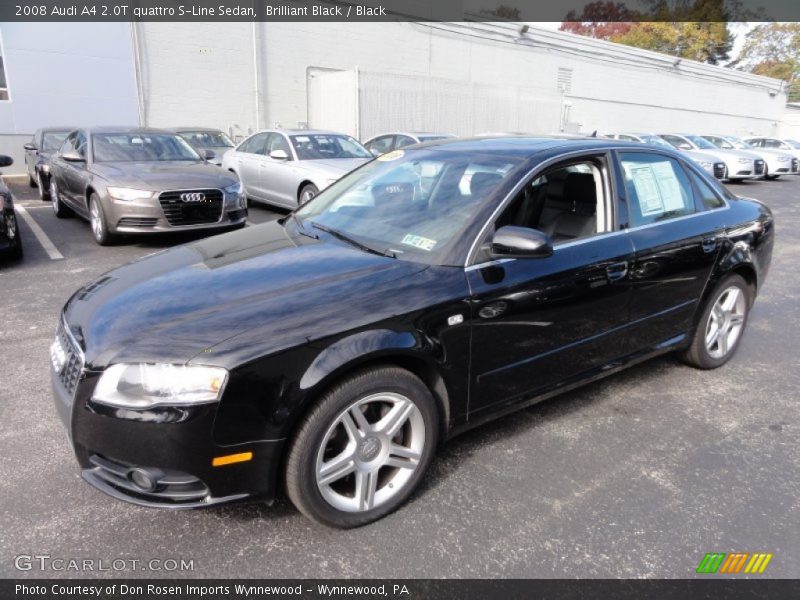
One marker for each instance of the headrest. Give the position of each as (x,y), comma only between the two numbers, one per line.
(579,189)
(482,183)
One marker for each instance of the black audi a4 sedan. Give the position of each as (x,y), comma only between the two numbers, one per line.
(126,180)
(436,287)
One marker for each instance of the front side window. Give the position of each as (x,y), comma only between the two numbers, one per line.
(80,144)
(657,188)
(403,141)
(322,146)
(52,140)
(770,143)
(411,203)
(677,142)
(277,142)
(141,147)
(567,202)
(255,144)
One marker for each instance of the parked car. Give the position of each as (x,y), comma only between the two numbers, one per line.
(10,242)
(287,167)
(785,144)
(711,164)
(211,144)
(386,142)
(139,180)
(37,157)
(738,163)
(776,162)
(329,351)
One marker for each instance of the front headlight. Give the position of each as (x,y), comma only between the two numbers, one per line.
(45,168)
(235,188)
(129,194)
(141,386)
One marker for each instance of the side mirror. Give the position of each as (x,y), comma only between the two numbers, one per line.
(30,146)
(521,242)
(73,156)
(209,154)
(279,155)
(6,161)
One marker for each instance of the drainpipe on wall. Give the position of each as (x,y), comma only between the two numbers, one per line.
(137,73)
(256,91)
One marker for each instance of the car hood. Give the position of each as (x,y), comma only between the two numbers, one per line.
(333,166)
(163,175)
(178,304)
(726,155)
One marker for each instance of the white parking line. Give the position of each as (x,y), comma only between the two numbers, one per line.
(48,246)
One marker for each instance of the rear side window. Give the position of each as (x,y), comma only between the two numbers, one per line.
(708,197)
(657,188)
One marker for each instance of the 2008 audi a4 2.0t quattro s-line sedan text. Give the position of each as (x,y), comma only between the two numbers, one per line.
(141,181)
(330,352)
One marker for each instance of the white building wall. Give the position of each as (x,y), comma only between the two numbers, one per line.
(57,74)
(198,74)
(790,123)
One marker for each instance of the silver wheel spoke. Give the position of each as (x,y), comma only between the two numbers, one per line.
(395,418)
(723,343)
(360,420)
(402,457)
(730,300)
(736,320)
(337,467)
(351,428)
(366,485)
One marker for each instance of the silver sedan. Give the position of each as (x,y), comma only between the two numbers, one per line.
(287,167)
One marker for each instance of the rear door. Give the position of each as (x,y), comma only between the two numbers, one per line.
(278,178)
(676,238)
(539,323)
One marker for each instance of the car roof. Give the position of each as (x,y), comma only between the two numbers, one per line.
(524,146)
(189,129)
(126,129)
(53,128)
(301,131)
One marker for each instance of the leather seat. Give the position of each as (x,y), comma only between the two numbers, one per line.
(579,221)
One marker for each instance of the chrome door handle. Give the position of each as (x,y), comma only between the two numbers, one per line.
(617,271)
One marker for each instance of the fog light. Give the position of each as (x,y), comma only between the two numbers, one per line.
(143,479)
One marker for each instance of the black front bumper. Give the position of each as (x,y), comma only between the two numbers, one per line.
(178,444)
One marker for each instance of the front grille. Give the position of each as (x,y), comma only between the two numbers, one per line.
(173,487)
(744,172)
(719,170)
(178,212)
(782,170)
(137,222)
(235,215)
(72,359)
(795,165)
(759,166)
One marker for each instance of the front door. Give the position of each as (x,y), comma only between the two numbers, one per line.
(539,323)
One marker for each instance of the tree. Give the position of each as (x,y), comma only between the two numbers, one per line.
(709,42)
(502,12)
(773,49)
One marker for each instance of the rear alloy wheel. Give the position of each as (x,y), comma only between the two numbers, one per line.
(61,211)
(721,326)
(364,448)
(307,193)
(97,220)
(44,193)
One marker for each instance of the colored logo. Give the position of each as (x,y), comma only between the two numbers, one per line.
(733,563)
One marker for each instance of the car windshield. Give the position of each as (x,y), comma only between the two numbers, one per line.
(207,139)
(700,142)
(737,143)
(141,147)
(409,203)
(655,140)
(793,143)
(321,146)
(52,140)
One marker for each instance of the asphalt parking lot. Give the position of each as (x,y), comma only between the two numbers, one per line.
(638,475)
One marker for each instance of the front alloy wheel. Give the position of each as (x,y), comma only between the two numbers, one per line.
(363,449)
(721,325)
(97,220)
(59,209)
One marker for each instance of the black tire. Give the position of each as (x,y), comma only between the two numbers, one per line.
(306,445)
(698,354)
(15,253)
(99,228)
(44,187)
(31,181)
(59,208)
(307,192)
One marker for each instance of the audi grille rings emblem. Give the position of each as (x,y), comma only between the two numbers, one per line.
(193,197)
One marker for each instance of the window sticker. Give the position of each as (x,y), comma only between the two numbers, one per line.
(418,241)
(657,187)
(302,139)
(391,156)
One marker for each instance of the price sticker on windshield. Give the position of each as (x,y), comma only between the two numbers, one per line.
(418,241)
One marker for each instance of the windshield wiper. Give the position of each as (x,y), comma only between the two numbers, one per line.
(345,238)
(300,227)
